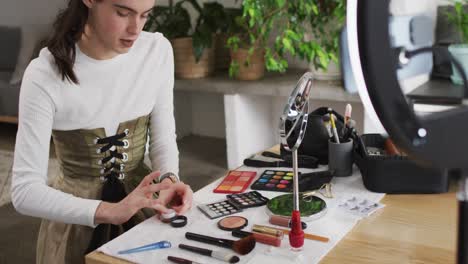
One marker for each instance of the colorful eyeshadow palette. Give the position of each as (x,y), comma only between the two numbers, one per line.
(247,200)
(236,182)
(215,210)
(275,181)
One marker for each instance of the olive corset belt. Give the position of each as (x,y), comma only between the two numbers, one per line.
(90,153)
(92,162)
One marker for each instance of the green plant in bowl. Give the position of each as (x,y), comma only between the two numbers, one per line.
(282,205)
(459,19)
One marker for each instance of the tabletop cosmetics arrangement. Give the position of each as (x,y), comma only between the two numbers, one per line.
(245,242)
(329,139)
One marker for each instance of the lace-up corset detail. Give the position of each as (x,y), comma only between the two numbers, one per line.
(90,153)
(110,166)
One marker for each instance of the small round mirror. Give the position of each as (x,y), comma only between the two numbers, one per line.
(293,121)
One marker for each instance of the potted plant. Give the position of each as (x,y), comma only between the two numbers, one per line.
(459,18)
(226,23)
(326,23)
(249,40)
(268,31)
(193,52)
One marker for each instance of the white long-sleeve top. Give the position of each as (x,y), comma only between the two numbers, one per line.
(111,91)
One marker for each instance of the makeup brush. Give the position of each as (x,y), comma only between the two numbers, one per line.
(347,116)
(326,122)
(350,129)
(242,246)
(181,260)
(217,254)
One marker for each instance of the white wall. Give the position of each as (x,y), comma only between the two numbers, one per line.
(208,115)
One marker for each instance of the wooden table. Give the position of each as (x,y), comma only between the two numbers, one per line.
(410,229)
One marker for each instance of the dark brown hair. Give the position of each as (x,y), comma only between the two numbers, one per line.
(68,27)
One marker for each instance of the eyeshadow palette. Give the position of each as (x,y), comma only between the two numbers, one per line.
(218,209)
(247,200)
(273,180)
(236,182)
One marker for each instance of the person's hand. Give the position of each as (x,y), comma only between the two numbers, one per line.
(178,196)
(140,197)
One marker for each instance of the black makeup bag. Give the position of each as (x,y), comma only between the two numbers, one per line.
(395,174)
(315,142)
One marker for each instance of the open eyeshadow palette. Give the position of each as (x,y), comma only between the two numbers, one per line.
(246,200)
(234,204)
(236,182)
(218,209)
(273,180)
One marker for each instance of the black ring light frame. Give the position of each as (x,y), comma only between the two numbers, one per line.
(440,138)
(445,143)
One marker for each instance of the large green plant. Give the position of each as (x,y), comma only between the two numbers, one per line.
(326,21)
(459,18)
(253,30)
(210,19)
(291,22)
(174,22)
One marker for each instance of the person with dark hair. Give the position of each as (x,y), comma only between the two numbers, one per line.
(100,88)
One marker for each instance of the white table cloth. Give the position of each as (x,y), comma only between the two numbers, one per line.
(335,224)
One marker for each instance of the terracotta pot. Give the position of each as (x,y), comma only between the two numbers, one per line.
(184,60)
(222,55)
(255,70)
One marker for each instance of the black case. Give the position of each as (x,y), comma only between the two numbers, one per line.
(315,142)
(396,174)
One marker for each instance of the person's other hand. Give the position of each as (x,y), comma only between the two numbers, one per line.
(178,196)
(140,197)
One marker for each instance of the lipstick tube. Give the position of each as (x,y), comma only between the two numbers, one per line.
(283,221)
(268,230)
(260,238)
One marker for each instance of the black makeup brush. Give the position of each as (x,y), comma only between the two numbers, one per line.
(350,129)
(218,254)
(242,246)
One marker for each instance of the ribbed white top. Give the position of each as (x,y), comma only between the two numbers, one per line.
(112,91)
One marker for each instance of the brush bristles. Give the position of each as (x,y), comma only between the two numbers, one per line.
(224,256)
(245,245)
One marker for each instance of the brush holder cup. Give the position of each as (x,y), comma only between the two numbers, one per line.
(340,158)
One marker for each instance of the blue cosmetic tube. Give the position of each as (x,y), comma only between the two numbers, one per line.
(153,246)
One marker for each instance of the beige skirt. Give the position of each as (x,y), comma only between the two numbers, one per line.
(67,243)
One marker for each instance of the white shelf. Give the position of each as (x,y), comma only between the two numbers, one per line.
(273,84)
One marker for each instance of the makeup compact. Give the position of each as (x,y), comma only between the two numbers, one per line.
(219,209)
(275,181)
(170,217)
(231,223)
(235,182)
(247,200)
